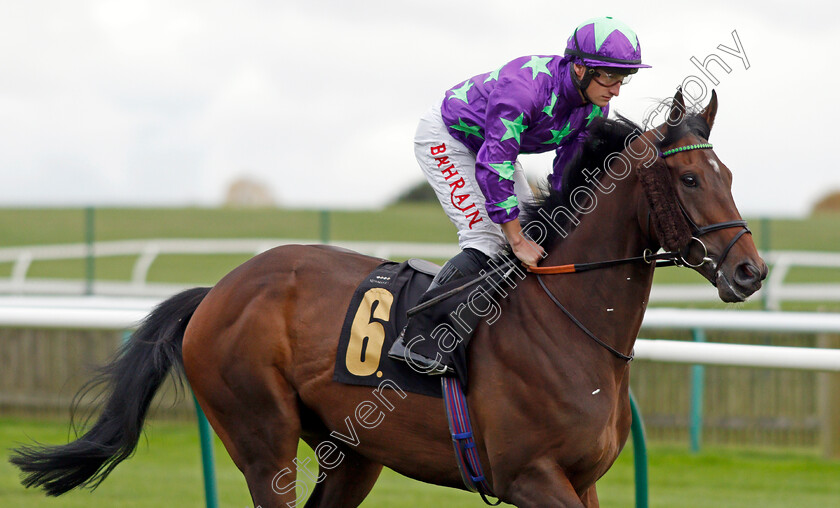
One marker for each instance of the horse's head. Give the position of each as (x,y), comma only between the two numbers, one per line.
(720,247)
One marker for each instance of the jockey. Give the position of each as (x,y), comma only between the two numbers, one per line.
(468,144)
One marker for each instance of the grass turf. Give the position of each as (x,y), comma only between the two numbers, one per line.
(420,222)
(166,472)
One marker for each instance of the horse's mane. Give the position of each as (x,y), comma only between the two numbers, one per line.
(604,137)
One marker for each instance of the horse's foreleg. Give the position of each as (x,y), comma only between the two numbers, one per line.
(590,498)
(543,485)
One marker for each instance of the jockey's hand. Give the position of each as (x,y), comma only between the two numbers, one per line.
(523,248)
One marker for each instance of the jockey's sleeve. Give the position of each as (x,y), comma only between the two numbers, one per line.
(566,152)
(510,108)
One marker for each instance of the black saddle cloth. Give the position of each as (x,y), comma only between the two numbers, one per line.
(376,315)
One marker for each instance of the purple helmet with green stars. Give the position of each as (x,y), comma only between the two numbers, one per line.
(605,42)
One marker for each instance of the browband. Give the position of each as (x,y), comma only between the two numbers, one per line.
(672,151)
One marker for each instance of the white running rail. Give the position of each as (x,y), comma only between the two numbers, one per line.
(126,313)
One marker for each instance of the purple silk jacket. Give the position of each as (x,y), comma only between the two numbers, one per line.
(529,105)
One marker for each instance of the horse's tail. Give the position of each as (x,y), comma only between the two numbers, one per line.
(130,381)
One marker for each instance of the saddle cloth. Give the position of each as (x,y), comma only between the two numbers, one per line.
(376,315)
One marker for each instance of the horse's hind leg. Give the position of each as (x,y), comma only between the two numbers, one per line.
(255,414)
(346,483)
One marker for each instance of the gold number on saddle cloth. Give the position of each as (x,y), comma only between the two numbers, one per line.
(364,327)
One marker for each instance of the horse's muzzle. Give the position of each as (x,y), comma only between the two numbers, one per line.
(744,280)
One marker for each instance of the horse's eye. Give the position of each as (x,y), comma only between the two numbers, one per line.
(689,180)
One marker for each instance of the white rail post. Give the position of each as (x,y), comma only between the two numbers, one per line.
(828,397)
(773,287)
(144,262)
(21,266)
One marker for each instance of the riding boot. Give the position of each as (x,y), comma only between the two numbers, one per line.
(465,263)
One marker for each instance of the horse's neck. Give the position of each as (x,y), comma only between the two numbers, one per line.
(612,230)
(609,301)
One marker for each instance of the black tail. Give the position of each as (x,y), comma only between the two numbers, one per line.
(130,380)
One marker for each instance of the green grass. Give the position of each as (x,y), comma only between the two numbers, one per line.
(818,233)
(166,472)
(421,222)
(410,222)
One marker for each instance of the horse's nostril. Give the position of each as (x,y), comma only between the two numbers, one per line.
(747,274)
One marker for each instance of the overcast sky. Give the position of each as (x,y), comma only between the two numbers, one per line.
(167,102)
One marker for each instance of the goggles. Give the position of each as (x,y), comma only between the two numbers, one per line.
(607,79)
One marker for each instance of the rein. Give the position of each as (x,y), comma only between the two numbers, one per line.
(673,258)
(615,352)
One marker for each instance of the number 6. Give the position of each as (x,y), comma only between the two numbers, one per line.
(361,360)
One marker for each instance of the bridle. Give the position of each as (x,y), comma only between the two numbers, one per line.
(672,258)
(698,231)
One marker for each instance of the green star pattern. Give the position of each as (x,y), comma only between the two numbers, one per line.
(508,204)
(473,130)
(549,110)
(557,136)
(505,170)
(538,65)
(514,128)
(605,26)
(461,92)
(596,112)
(493,75)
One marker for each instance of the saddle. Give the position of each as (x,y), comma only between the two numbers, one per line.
(442,322)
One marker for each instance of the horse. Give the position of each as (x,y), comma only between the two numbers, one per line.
(549,405)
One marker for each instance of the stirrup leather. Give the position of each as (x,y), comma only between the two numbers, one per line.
(417,362)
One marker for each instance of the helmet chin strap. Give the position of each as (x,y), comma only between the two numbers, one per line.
(582,84)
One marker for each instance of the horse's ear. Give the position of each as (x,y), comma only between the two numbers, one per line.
(710,110)
(677,112)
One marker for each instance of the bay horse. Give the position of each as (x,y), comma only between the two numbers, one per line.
(549,406)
